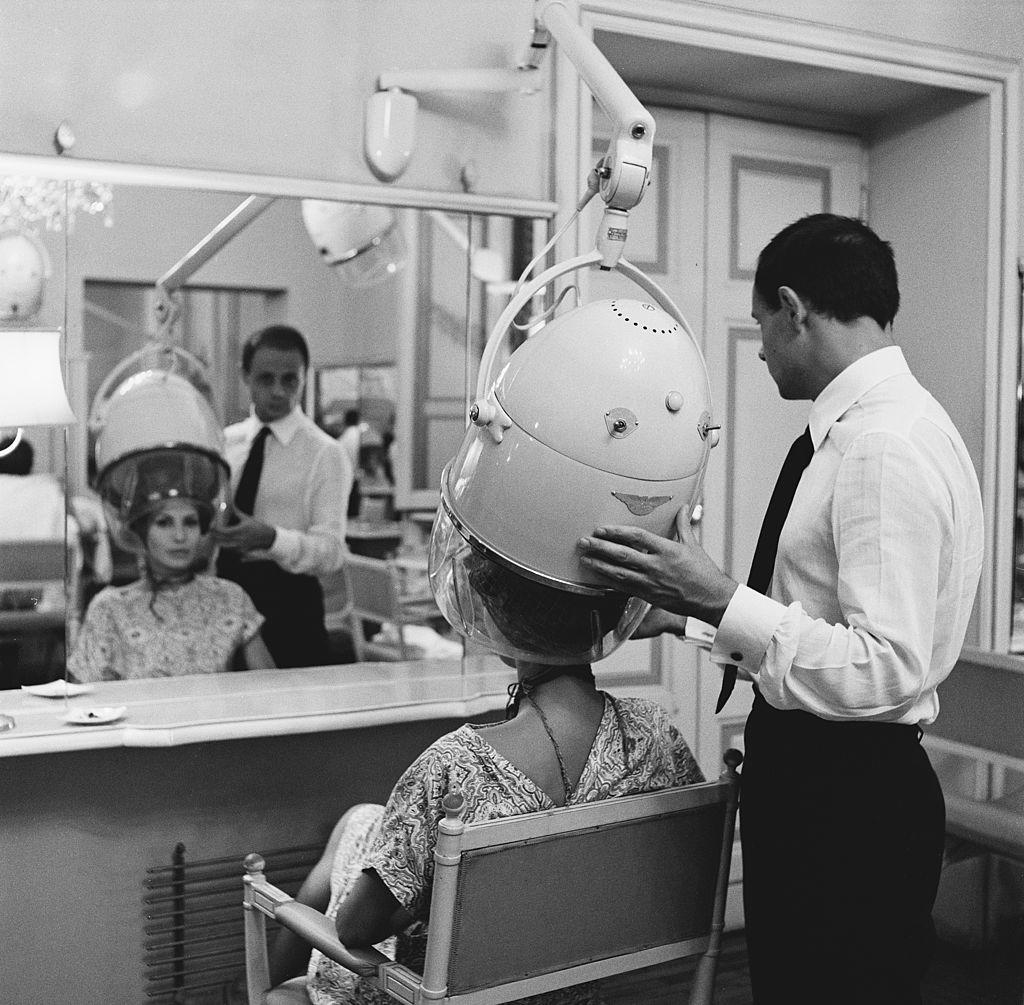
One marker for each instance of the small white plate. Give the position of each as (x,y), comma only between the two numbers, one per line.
(96,716)
(56,689)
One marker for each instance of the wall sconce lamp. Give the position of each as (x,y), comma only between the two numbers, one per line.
(390,113)
(622,175)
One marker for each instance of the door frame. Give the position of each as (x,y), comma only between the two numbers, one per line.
(842,50)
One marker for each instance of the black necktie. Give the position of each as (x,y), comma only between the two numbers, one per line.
(245,494)
(763,563)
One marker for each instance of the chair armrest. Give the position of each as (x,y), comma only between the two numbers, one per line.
(318,930)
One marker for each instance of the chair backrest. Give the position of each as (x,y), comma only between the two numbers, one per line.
(374,596)
(542,901)
(529,904)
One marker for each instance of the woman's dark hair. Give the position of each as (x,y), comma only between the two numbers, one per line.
(538,618)
(837,263)
(282,337)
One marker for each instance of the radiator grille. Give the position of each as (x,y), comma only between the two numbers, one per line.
(193,942)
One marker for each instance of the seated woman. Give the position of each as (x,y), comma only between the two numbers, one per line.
(172,621)
(563,742)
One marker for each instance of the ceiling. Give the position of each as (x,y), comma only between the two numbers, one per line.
(668,73)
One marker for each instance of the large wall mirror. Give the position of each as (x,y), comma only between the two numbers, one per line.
(401,352)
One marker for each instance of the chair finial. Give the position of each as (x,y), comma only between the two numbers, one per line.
(453,804)
(733,758)
(254,863)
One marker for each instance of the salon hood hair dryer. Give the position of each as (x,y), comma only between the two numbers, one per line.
(602,416)
(157,438)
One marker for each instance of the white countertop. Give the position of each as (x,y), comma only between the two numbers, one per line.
(170,711)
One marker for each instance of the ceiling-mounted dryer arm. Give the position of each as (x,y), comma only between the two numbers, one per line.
(622,175)
(177,275)
(625,169)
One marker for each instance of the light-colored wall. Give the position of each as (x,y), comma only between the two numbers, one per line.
(260,86)
(266,87)
(153,228)
(941,256)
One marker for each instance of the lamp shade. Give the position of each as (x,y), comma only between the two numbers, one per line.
(31,385)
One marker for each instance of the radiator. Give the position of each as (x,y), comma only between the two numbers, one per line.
(193,942)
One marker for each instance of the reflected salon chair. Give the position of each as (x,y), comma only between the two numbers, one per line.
(30,573)
(375,598)
(587,892)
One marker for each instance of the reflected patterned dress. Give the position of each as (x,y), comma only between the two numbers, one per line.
(192,628)
(636,750)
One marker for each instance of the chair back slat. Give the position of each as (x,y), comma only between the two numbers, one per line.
(584,895)
(31,561)
(374,591)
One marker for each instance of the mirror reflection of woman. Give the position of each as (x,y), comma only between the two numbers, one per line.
(175,619)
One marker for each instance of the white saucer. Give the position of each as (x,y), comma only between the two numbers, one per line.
(96,716)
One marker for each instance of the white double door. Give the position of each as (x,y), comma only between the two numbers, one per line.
(721,188)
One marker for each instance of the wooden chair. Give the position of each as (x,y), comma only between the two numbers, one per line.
(375,594)
(534,903)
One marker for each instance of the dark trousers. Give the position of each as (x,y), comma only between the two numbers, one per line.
(842,828)
(292,604)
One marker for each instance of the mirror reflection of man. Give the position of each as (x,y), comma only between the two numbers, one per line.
(289,480)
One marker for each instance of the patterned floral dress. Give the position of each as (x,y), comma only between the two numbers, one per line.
(636,750)
(191,628)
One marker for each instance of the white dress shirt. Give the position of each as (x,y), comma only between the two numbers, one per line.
(878,562)
(304,485)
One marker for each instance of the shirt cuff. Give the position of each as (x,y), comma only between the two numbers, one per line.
(746,629)
(286,545)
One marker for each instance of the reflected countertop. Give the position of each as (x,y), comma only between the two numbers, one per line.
(172,711)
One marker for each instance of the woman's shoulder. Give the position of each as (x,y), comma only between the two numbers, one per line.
(222,589)
(654,738)
(112,598)
(643,712)
(450,747)
(459,751)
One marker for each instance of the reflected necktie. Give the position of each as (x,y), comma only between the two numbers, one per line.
(245,494)
(763,563)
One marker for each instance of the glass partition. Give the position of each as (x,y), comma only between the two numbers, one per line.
(41,539)
(401,352)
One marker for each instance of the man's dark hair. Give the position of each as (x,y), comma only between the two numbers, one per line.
(352,417)
(838,264)
(19,460)
(281,337)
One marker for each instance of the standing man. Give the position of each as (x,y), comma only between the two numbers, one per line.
(868,601)
(290,482)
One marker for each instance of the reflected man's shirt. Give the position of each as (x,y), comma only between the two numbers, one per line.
(303,491)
